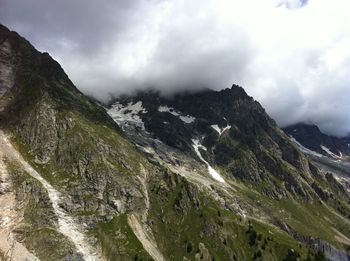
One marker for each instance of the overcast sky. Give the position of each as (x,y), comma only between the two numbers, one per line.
(293,56)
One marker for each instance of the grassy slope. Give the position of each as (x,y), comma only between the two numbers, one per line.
(118,242)
(305,216)
(307,219)
(225,234)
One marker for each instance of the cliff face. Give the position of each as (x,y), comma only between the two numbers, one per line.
(197,176)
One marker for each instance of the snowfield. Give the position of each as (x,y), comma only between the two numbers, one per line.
(304,149)
(331,153)
(220,130)
(215,175)
(184,118)
(127,114)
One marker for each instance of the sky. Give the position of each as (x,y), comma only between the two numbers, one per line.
(293,56)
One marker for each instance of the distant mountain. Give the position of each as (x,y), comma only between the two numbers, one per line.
(312,138)
(225,131)
(195,176)
(330,154)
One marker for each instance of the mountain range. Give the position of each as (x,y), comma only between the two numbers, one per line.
(329,153)
(192,176)
(311,137)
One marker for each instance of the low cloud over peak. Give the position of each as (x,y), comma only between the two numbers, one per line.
(291,55)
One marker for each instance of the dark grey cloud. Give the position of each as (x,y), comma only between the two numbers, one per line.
(295,62)
(185,59)
(80,26)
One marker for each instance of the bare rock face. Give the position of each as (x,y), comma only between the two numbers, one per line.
(6,68)
(203,254)
(328,250)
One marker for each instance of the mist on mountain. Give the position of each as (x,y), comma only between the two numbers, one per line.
(290,55)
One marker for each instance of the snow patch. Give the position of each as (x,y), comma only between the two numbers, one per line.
(331,153)
(215,175)
(220,130)
(126,114)
(184,118)
(167,109)
(187,119)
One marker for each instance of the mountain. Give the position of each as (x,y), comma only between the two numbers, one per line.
(71,173)
(330,154)
(312,138)
(195,176)
(230,133)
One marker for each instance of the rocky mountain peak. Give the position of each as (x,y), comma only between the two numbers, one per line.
(179,118)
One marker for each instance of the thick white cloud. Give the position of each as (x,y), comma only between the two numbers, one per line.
(291,55)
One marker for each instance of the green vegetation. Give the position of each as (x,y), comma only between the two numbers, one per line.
(181,220)
(118,241)
(302,218)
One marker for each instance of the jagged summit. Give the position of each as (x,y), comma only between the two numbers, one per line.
(196,112)
(228,125)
